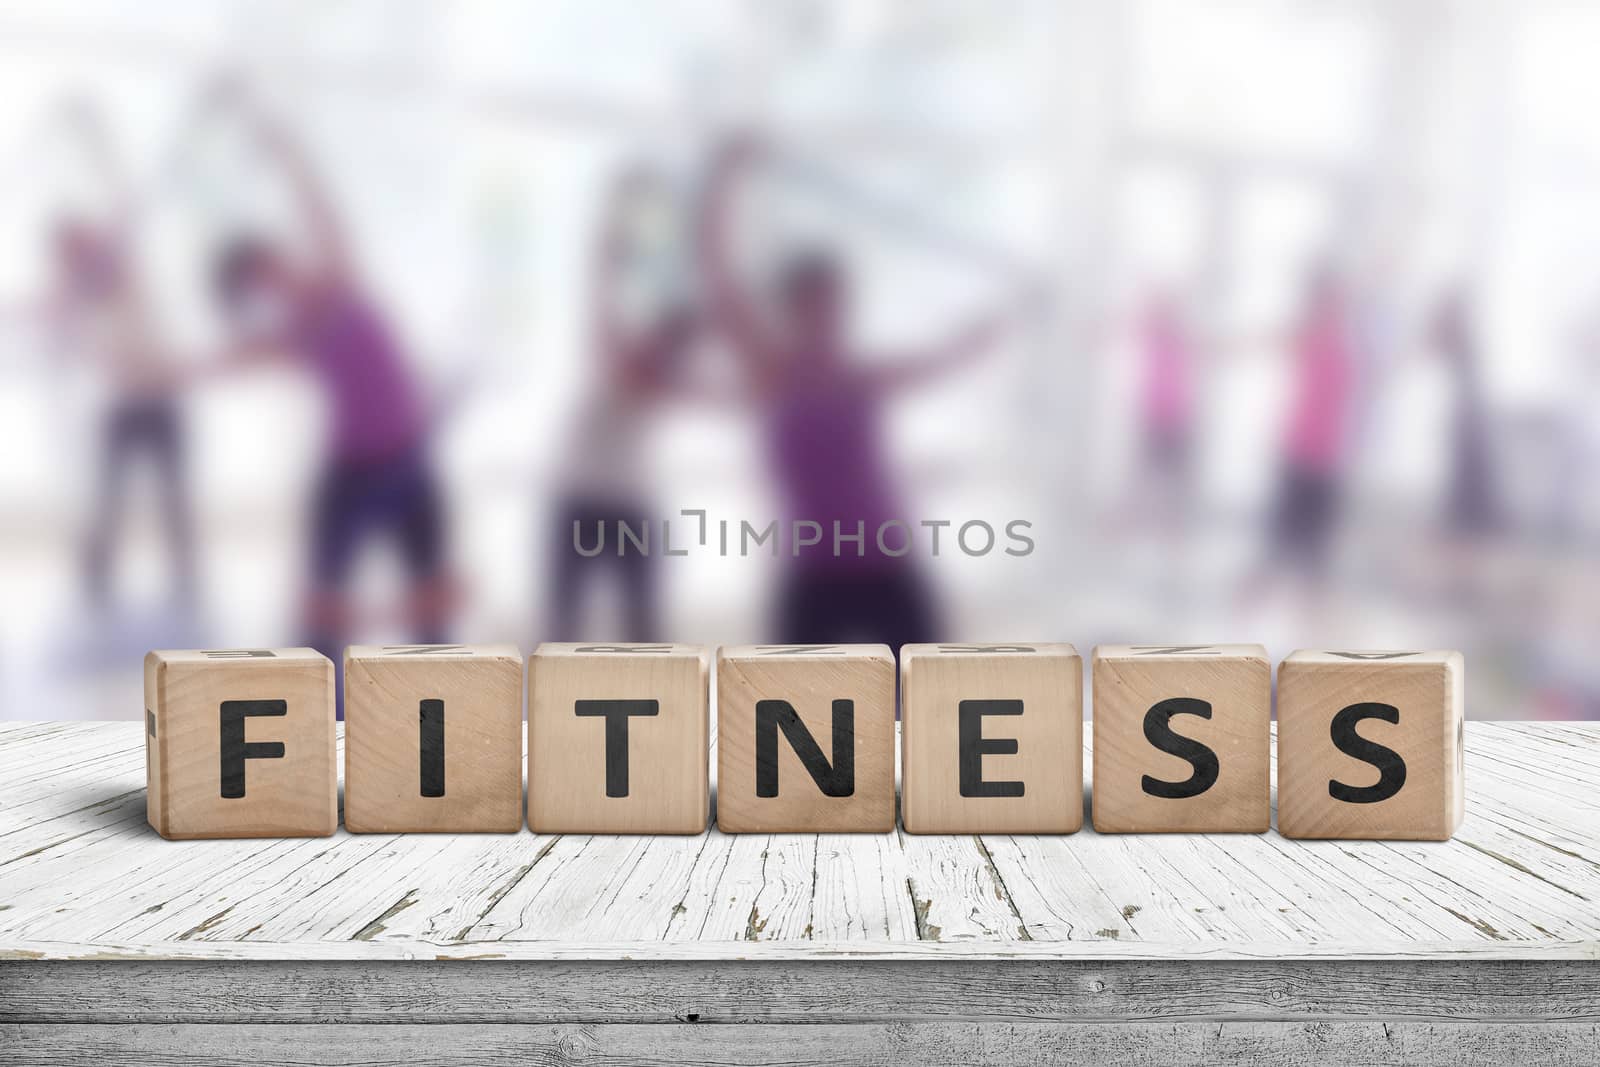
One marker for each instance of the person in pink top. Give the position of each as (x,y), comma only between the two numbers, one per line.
(1167,350)
(1315,433)
(377,481)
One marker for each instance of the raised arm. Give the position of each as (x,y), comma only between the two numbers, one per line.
(729,302)
(609,256)
(312,201)
(88,127)
(966,346)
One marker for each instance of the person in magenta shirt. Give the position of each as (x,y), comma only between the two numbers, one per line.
(377,481)
(822,406)
(1314,442)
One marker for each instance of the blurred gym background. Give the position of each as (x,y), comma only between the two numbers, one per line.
(1278,320)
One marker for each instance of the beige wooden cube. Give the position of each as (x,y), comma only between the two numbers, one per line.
(1182,739)
(433,739)
(240,743)
(1370,745)
(991,739)
(805,738)
(618,738)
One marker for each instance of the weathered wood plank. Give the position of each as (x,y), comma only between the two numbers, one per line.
(750,991)
(954,892)
(955,1044)
(798,949)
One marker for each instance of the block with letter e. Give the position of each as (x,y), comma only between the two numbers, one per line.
(1182,739)
(433,738)
(618,738)
(805,739)
(1370,745)
(991,738)
(240,743)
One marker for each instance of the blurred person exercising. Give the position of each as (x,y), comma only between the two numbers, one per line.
(822,406)
(1167,349)
(377,480)
(96,310)
(1306,514)
(606,454)
(1472,506)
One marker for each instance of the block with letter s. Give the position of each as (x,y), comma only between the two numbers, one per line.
(1370,744)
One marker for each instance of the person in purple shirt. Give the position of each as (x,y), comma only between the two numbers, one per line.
(822,406)
(376,481)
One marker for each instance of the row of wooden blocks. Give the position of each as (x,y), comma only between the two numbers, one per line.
(241,743)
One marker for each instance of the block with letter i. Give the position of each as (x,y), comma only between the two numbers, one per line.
(433,739)
(1370,745)
(805,739)
(1182,739)
(240,743)
(618,738)
(992,739)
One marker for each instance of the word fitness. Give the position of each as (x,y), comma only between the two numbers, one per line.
(241,742)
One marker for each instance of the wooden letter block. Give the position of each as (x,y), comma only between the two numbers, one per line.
(805,738)
(618,739)
(1370,745)
(1182,739)
(240,743)
(432,739)
(992,739)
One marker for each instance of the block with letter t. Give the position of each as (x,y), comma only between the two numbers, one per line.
(240,743)
(1370,745)
(805,738)
(1182,739)
(433,738)
(618,738)
(992,738)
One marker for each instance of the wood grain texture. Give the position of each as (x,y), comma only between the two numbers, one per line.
(240,743)
(772,991)
(811,680)
(1042,726)
(82,877)
(1423,695)
(661,782)
(1217,696)
(1297,1044)
(433,739)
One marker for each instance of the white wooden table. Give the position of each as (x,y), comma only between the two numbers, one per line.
(116,946)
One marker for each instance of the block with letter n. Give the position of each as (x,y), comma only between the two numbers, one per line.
(1370,744)
(805,739)
(240,743)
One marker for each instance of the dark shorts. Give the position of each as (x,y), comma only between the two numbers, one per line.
(1308,510)
(1167,450)
(394,498)
(572,573)
(891,607)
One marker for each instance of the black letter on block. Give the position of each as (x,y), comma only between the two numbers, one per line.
(617,713)
(1391,768)
(1158,731)
(430,727)
(837,779)
(974,746)
(235,749)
